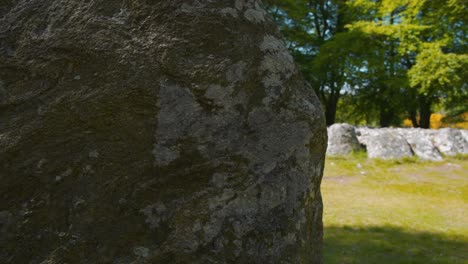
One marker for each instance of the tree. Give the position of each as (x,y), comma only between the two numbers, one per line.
(424,39)
(312,29)
(395,58)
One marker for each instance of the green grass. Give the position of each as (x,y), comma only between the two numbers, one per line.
(403,211)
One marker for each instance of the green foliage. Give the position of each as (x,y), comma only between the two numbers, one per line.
(312,29)
(397,58)
(437,71)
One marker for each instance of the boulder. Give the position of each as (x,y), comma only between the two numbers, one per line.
(362,135)
(464,133)
(155,132)
(421,143)
(342,140)
(384,143)
(450,141)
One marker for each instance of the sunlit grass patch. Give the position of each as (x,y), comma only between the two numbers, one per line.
(404,211)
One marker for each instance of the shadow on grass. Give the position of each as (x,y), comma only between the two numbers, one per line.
(382,245)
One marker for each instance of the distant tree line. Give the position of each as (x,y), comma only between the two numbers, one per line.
(380,62)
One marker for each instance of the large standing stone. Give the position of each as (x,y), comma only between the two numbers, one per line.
(342,140)
(155,132)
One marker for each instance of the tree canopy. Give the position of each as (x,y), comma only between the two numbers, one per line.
(379,62)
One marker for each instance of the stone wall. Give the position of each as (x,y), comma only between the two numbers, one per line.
(395,143)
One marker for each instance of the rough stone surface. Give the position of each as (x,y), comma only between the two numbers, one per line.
(342,140)
(385,144)
(464,134)
(155,132)
(427,144)
(450,141)
(421,144)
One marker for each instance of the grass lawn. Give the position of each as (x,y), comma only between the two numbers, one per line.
(406,211)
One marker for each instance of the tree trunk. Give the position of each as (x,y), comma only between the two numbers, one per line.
(155,132)
(330,115)
(413,115)
(386,116)
(425,112)
(330,109)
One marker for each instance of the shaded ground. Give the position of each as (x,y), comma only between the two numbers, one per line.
(395,211)
(391,245)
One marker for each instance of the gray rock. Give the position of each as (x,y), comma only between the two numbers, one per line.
(192,113)
(362,135)
(384,143)
(450,141)
(464,133)
(342,140)
(421,143)
(5,219)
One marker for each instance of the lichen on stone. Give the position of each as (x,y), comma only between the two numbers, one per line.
(155,214)
(237,72)
(277,66)
(163,155)
(142,252)
(229,11)
(255,15)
